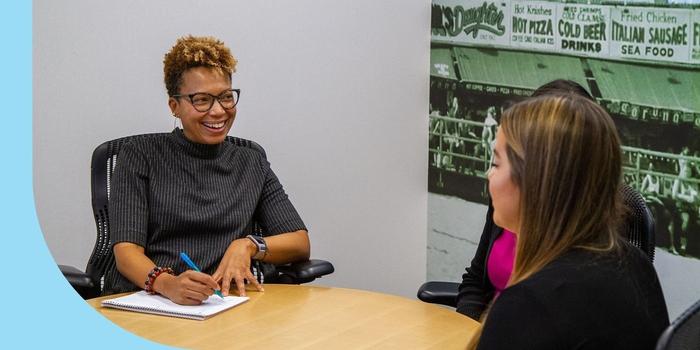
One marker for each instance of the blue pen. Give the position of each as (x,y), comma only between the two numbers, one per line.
(191,264)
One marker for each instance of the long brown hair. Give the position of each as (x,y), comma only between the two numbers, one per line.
(566,159)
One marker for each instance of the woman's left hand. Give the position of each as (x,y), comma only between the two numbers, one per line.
(235,266)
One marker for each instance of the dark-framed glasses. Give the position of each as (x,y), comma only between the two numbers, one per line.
(203,102)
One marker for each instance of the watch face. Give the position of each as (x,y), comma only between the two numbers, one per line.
(259,241)
(260,244)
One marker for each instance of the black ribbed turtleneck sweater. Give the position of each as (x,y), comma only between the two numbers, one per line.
(169,195)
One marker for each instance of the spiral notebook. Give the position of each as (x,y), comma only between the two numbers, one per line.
(159,305)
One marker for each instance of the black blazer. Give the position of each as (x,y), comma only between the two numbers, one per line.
(581,300)
(476,290)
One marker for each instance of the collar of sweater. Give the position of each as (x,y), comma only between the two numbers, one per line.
(194,149)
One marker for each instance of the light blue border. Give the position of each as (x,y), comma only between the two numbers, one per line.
(39,309)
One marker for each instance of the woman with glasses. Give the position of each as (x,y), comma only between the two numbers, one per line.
(192,191)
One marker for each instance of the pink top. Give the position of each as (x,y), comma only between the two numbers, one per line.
(500,261)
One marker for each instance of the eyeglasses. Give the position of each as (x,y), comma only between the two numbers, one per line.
(203,102)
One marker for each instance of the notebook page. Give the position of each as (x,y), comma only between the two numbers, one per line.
(144,302)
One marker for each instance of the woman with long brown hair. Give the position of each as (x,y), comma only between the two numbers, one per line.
(575,282)
(489,270)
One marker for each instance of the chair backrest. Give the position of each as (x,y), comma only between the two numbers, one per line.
(683,333)
(639,224)
(104,160)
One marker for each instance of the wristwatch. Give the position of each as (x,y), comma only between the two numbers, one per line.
(261,245)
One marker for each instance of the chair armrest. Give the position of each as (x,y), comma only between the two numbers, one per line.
(443,293)
(304,271)
(80,281)
(75,277)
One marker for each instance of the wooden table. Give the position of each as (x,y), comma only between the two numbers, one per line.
(308,317)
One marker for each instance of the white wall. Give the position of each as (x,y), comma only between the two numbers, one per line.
(335,91)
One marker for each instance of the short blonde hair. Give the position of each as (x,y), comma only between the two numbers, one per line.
(193,51)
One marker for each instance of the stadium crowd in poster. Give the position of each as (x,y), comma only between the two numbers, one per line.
(640,62)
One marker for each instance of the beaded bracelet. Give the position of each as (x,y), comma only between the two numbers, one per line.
(153,275)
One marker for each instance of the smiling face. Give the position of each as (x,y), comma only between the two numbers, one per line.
(505,194)
(209,127)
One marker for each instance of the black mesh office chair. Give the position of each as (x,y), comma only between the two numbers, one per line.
(683,333)
(639,229)
(89,283)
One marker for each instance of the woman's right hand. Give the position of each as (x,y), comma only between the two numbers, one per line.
(188,288)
